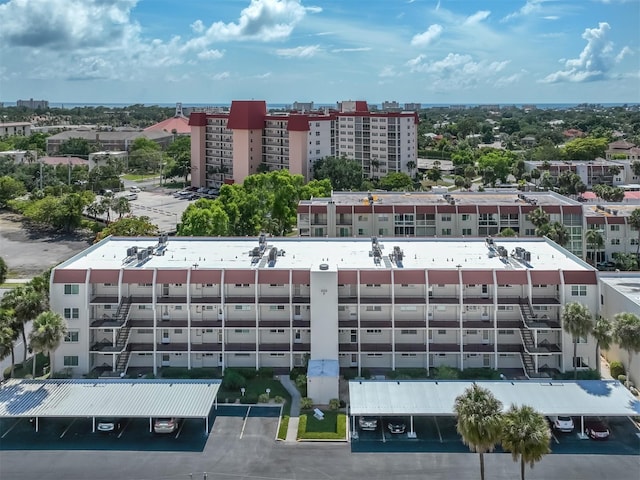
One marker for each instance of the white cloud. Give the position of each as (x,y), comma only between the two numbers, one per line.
(428,37)
(623,53)
(299,52)
(511,79)
(530,6)
(552,17)
(263,75)
(358,49)
(388,72)
(210,55)
(457,70)
(221,76)
(477,17)
(197,26)
(595,60)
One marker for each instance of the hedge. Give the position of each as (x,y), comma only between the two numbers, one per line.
(339,434)
(284,426)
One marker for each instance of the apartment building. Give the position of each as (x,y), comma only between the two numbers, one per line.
(120,140)
(228,146)
(276,302)
(15,128)
(442,215)
(611,221)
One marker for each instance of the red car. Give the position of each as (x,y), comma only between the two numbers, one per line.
(596,429)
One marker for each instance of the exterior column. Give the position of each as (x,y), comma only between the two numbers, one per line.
(426,319)
(223,329)
(257,307)
(291,319)
(155,325)
(393,323)
(358,332)
(460,306)
(189,319)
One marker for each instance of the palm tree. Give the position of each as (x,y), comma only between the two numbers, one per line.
(48,330)
(120,206)
(411,166)
(595,241)
(577,322)
(626,332)
(535,175)
(634,221)
(602,332)
(26,303)
(479,420)
(558,233)
(8,337)
(526,434)
(539,217)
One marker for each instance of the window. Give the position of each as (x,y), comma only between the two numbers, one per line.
(242,307)
(70,361)
(177,307)
(442,332)
(445,218)
(71,336)
(241,330)
(144,331)
(374,308)
(275,285)
(505,332)
(374,285)
(408,332)
(71,289)
(446,231)
(142,307)
(276,307)
(465,217)
(242,285)
(409,308)
(177,331)
(614,228)
(578,290)
(579,362)
(276,354)
(374,331)
(581,340)
(276,330)
(615,241)
(530,232)
(466,231)
(71,313)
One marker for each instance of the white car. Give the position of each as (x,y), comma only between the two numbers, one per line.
(134,189)
(368,423)
(165,425)
(108,425)
(562,423)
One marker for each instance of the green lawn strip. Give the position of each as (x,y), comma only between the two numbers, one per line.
(284,426)
(332,427)
(253,389)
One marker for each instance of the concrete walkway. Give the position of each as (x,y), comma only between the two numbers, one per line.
(294,414)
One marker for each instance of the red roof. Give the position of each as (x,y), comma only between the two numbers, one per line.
(179,124)
(198,119)
(298,123)
(247,114)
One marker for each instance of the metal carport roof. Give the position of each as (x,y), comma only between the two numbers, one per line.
(108,398)
(436,398)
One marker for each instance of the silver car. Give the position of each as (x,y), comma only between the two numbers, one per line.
(165,425)
(368,423)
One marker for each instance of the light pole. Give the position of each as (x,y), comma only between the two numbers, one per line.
(268,392)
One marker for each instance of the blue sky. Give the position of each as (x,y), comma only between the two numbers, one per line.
(214,51)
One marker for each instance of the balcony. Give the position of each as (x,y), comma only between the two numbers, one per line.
(285,322)
(170,323)
(274,347)
(377,300)
(348,347)
(375,347)
(375,323)
(105,347)
(205,299)
(301,299)
(347,300)
(141,323)
(348,323)
(273,300)
(478,348)
(237,323)
(509,347)
(206,347)
(411,347)
(301,347)
(419,300)
(104,299)
(451,324)
(477,324)
(172,299)
(508,300)
(206,323)
(435,300)
(444,348)
(142,299)
(240,299)
(545,301)
(240,347)
(509,324)
(301,323)
(410,324)
(475,300)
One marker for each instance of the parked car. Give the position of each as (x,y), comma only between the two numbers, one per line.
(165,425)
(131,196)
(562,423)
(396,426)
(596,429)
(368,423)
(106,192)
(182,194)
(134,189)
(107,425)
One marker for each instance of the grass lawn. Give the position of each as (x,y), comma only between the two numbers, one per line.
(332,427)
(284,426)
(255,387)
(136,177)
(327,424)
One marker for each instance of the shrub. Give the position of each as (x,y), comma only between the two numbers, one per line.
(265,372)
(622,378)
(479,374)
(306,403)
(293,374)
(263,398)
(250,398)
(3,270)
(349,373)
(174,372)
(247,373)
(278,399)
(590,374)
(407,373)
(301,381)
(334,404)
(616,369)
(446,373)
(366,373)
(233,380)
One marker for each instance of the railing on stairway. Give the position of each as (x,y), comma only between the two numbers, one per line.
(122,338)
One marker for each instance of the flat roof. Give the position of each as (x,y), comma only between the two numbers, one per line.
(628,284)
(308,253)
(492,197)
(323,368)
(437,398)
(108,398)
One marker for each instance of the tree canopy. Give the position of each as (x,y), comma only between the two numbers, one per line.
(344,174)
(396,181)
(129,227)
(499,162)
(587,148)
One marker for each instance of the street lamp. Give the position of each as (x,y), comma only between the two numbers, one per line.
(268,392)
(242,390)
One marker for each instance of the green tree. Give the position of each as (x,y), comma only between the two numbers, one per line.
(344,174)
(479,420)
(76,146)
(634,221)
(204,218)
(539,217)
(396,181)
(26,304)
(558,233)
(4,270)
(411,166)
(129,227)
(48,331)
(507,232)
(10,189)
(180,152)
(595,242)
(500,161)
(603,334)
(435,173)
(526,434)
(120,205)
(585,148)
(626,332)
(8,337)
(577,322)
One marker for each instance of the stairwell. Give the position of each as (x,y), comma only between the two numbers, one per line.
(122,338)
(528,342)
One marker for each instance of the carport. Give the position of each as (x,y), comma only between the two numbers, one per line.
(118,398)
(583,398)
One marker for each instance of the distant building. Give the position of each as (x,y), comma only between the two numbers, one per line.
(412,107)
(100,159)
(15,128)
(33,104)
(390,106)
(621,148)
(302,106)
(18,156)
(109,141)
(178,124)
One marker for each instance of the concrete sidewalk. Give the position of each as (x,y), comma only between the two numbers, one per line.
(294,414)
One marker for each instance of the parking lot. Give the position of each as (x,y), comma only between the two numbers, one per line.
(438,434)
(228,421)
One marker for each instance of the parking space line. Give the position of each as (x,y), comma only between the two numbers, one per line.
(180,429)
(555,438)
(67,429)
(384,438)
(124,428)
(435,419)
(244,423)
(10,428)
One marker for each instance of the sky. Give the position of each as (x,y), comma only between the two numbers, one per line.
(281,51)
